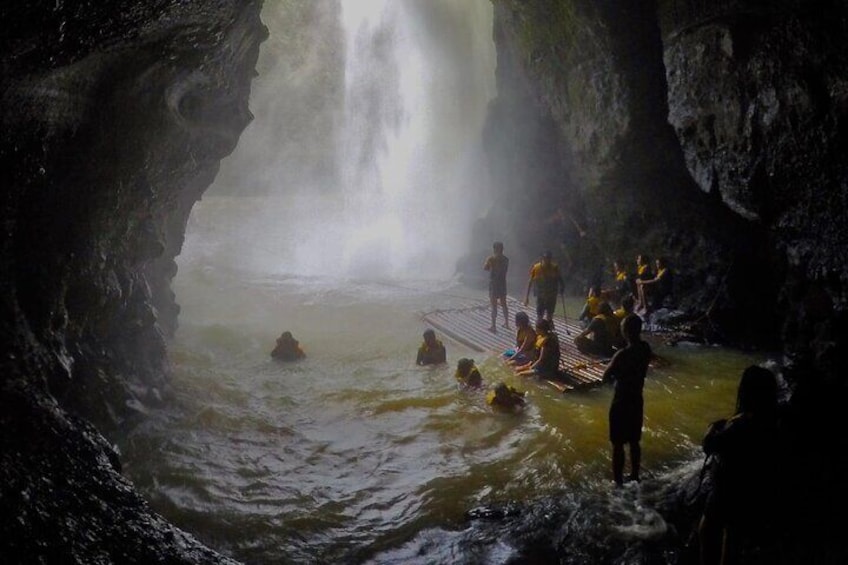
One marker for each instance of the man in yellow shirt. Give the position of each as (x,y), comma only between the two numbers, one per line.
(546,277)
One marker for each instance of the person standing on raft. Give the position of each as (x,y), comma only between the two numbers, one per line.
(547,279)
(497,264)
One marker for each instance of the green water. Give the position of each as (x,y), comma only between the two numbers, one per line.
(356,451)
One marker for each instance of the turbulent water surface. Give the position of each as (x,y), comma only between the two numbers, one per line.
(354,451)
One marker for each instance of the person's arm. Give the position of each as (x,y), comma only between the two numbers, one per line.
(419,360)
(612,368)
(487,264)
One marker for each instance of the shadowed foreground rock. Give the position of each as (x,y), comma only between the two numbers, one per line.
(115,117)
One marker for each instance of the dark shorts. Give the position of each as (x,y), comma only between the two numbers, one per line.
(497,289)
(545,304)
(625,421)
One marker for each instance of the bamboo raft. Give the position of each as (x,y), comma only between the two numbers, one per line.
(469,325)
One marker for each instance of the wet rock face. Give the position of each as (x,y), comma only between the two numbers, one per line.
(712,133)
(115,117)
(759,101)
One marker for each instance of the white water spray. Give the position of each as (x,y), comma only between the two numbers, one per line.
(411,180)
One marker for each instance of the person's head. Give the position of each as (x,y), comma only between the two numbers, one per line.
(757,391)
(618,265)
(661,263)
(627,303)
(605,309)
(464,366)
(286,335)
(631,328)
(547,256)
(642,260)
(593,292)
(543,326)
(522,320)
(429,337)
(497,247)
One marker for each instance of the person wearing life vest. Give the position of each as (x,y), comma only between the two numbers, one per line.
(546,280)
(627,305)
(592,306)
(505,397)
(287,348)
(643,272)
(432,351)
(653,292)
(525,341)
(497,264)
(467,374)
(546,364)
(600,342)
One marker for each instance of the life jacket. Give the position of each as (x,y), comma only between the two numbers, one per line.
(546,277)
(593,304)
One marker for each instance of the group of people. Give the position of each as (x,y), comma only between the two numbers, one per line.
(502,396)
(545,280)
(640,293)
(743,442)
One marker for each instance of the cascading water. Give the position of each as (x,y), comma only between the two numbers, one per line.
(405,147)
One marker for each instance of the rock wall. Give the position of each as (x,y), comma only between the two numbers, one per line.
(711,133)
(115,117)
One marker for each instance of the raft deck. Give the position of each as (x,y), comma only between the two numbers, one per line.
(469,325)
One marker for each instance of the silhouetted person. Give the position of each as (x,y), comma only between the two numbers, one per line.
(747,450)
(546,280)
(627,370)
(432,351)
(287,348)
(497,264)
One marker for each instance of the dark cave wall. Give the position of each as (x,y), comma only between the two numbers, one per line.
(115,118)
(711,133)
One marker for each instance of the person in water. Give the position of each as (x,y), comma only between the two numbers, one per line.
(627,370)
(497,264)
(546,364)
(432,351)
(546,280)
(525,341)
(601,331)
(287,348)
(654,291)
(747,449)
(467,374)
(505,397)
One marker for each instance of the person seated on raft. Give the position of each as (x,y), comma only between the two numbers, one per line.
(627,305)
(287,348)
(467,374)
(525,341)
(505,397)
(654,291)
(593,302)
(600,328)
(432,351)
(546,364)
(622,283)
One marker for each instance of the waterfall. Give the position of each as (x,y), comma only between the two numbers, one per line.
(406,148)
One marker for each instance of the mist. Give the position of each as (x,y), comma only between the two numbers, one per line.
(364,159)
